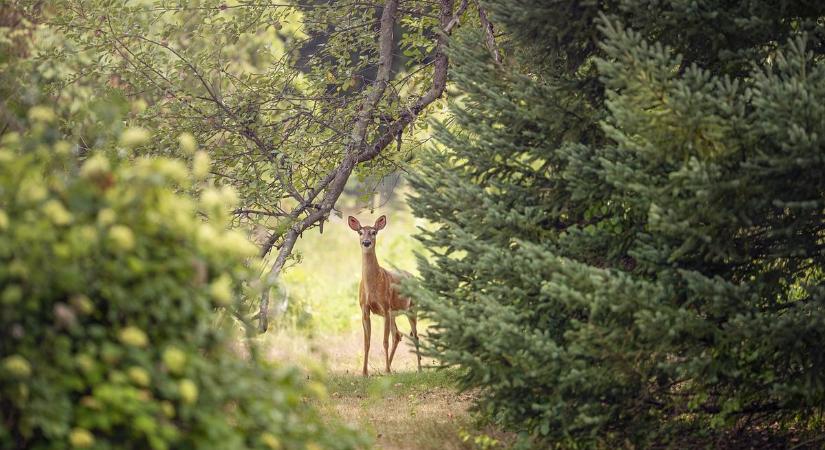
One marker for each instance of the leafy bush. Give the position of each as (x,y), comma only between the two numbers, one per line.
(109,283)
(631,230)
(119,292)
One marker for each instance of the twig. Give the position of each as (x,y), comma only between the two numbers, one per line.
(489,35)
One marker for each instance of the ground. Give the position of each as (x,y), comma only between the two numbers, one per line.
(402,410)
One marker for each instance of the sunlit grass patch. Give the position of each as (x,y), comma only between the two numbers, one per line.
(406,409)
(392,385)
(409,410)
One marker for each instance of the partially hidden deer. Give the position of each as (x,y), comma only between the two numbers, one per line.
(378,294)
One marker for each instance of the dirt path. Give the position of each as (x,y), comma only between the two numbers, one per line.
(342,353)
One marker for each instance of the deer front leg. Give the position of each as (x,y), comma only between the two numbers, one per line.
(387,318)
(365,321)
(396,338)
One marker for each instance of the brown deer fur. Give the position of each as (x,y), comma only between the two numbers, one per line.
(378,294)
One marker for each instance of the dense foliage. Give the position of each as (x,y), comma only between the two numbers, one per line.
(289,98)
(271,87)
(118,289)
(631,239)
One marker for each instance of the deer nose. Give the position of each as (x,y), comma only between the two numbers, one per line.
(366,243)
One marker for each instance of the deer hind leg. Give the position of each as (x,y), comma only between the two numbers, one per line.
(396,338)
(414,332)
(387,319)
(365,321)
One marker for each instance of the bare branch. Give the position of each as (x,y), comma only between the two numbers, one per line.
(440,65)
(489,35)
(376,91)
(286,249)
(456,20)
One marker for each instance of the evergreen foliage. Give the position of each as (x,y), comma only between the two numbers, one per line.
(631,237)
(117,290)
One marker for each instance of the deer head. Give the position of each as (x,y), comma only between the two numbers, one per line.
(367,235)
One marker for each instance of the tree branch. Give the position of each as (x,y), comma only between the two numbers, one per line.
(286,249)
(440,67)
(339,176)
(456,20)
(489,35)
(358,151)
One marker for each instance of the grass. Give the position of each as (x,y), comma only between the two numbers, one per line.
(404,383)
(407,410)
(403,410)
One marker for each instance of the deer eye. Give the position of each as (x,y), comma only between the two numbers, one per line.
(372,232)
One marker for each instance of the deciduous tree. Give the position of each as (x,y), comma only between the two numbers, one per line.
(290,99)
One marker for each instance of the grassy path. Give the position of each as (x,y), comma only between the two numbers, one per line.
(407,410)
(402,410)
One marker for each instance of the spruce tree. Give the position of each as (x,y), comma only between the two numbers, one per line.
(629,211)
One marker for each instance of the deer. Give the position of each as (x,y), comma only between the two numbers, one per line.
(378,294)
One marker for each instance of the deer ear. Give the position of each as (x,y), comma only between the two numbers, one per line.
(354,223)
(381,223)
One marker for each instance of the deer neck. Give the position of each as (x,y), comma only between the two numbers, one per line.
(370,270)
